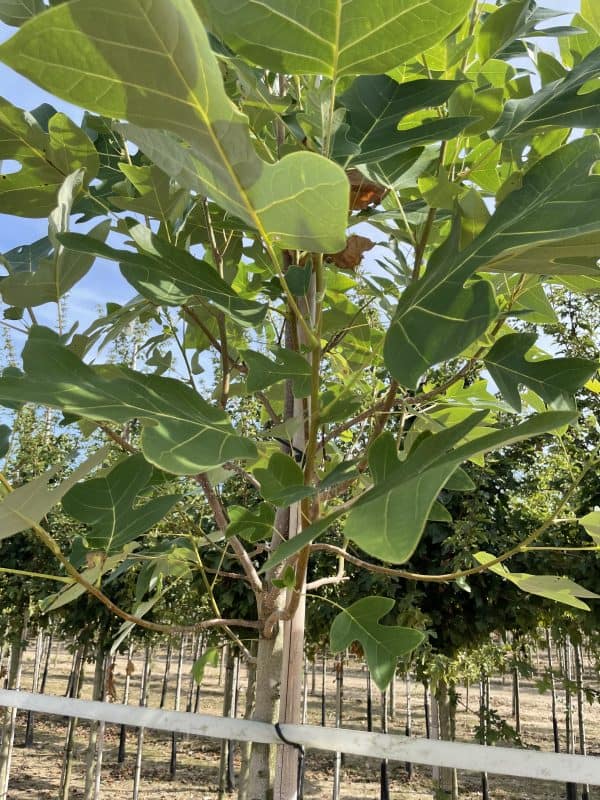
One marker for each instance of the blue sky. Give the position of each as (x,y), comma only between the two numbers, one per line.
(104,282)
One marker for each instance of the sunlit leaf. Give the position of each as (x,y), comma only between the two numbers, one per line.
(182,433)
(150,62)
(552,587)
(441,314)
(332,38)
(383,644)
(555,380)
(387,522)
(29,504)
(108,505)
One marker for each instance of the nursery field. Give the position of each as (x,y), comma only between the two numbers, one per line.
(36,771)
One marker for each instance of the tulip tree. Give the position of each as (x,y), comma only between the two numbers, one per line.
(239,162)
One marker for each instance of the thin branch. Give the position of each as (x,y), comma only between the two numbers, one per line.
(222,523)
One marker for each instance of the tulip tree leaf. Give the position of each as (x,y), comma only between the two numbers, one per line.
(99,565)
(150,62)
(263,372)
(383,645)
(591,523)
(559,104)
(181,432)
(555,380)
(16,12)
(438,316)
(282,481)
(30,503)
(5,437)
(375,105)
(329,37)
(44,272)
(251,524)
(552,587)
(387,522)
(170,276)
(108,505)
(209,658)
(45,160)
(576,256)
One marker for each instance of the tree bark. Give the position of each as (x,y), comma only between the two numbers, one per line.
(10,714)
(97,692)
(144,692)
(39,646)
(248,714)
(76,680)
(577,651)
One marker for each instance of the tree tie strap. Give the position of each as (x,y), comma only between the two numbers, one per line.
(300,749)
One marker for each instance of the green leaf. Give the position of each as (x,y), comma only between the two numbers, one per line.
(575,256)
(169,276)
(45,159)
(282,481)
(16,12)
(262,372)
(251,524)
(555,380)
(591,523)
(374,107)
(150,62)
(438,316)
(5,437)
(552,587)
(44,271)
(209,658)
(30,503)
(332,38)
(559,104)
(99,566)
(181,432)
(108,505)
(387,522)
(383,644)
(158,198)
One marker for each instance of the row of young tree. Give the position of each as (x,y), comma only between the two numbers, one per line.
(292,435)
(515,492)
(565,667)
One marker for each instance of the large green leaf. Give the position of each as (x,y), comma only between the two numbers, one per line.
(44,271)
(559,104)
(555,380)
(288,365)
(576,256)
(375,105)
(591,523)
(252,524)
(330,37)
(388,521)
(383,645)
(182,433)
(150,62)
(552,587)
(108,505)
(30,503)
(16,12)
(93,574)
(45,159)
(438,316)
(282,481)
(169,276)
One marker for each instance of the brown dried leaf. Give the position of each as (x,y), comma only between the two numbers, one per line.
(351,256)
(363,192)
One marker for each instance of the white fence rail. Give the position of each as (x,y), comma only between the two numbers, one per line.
(498,760)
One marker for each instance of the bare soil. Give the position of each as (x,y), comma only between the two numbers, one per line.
(35,772)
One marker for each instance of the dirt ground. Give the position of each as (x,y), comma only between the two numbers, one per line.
(35,772)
